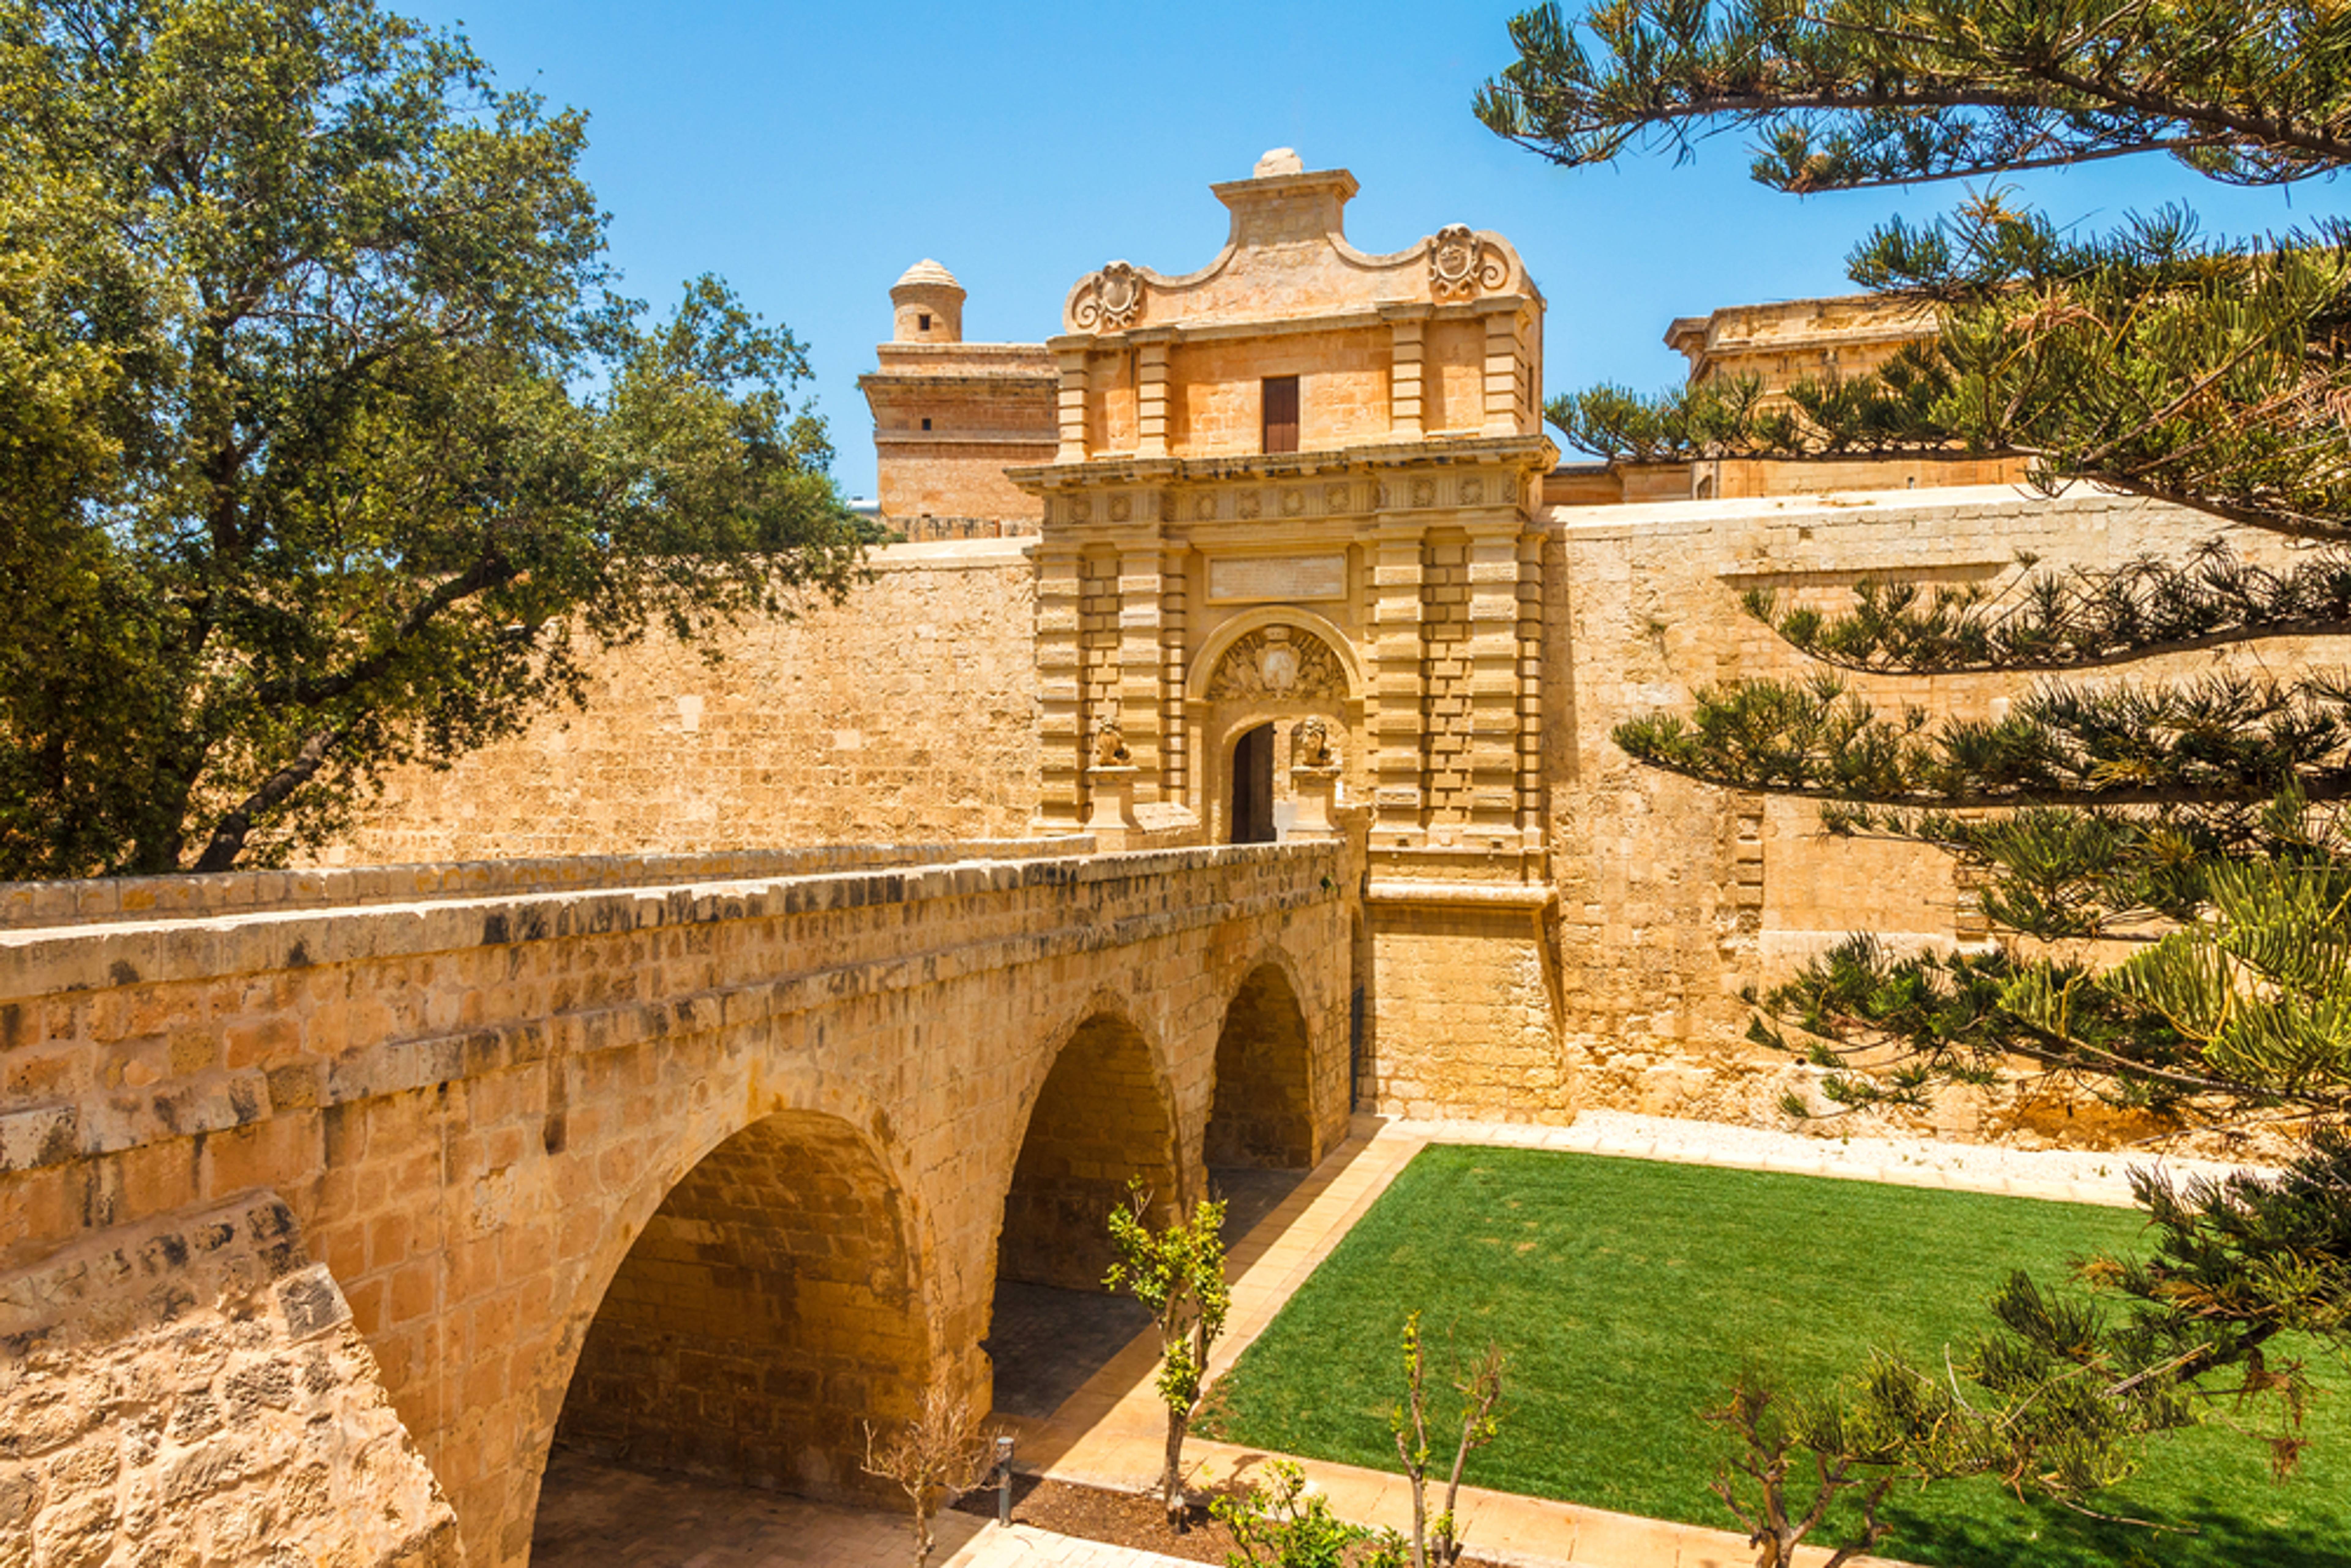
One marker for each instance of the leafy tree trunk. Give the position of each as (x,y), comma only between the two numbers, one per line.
(1171,1471)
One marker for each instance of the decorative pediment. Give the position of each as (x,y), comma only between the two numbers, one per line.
(1287,257)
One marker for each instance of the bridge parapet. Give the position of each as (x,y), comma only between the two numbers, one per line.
(26,905)
(472,1102)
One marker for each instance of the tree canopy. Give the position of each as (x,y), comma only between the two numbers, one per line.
(326,440)
(2166,861)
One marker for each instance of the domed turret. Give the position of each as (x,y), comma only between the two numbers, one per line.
(929,305)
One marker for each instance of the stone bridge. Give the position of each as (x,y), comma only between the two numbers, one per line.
(329,1200)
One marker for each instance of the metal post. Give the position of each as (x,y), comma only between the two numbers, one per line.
(1004,1478)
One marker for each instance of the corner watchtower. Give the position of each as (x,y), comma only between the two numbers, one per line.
(929,304)
(950,416)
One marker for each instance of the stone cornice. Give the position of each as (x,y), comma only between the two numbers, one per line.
(1527,454)
(1334,321)
(948,380)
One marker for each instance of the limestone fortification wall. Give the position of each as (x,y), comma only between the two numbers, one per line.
(905,714)
(908,714)
(1673,895)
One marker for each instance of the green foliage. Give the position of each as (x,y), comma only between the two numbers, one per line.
(328,445)
(1282,1525)
(1852,93)
(1178,1272)
(2071,620)
(2241,1007)
(1477,1391)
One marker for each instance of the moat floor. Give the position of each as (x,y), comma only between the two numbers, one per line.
(1107,1433)
(599,1516)
(1047,1342)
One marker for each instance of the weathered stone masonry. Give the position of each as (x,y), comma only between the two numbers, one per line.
(769,1120)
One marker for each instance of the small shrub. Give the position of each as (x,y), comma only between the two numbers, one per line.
(1284,1526)
(934,1458)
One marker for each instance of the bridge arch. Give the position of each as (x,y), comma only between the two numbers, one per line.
(1262,1111)
(768,1307)
(1103,1112)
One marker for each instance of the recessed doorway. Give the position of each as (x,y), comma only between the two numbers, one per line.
(1252,792)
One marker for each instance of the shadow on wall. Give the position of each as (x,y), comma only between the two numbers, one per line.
(1262,1116)
(767,1312)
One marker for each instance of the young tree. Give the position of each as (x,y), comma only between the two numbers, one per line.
(934,1458)
(1179,1273)
(1479,1390)
(1283,1525)
(326,444)
(2201,821)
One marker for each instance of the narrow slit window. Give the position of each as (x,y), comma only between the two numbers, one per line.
(922,323)
(926,424)
(1281,414)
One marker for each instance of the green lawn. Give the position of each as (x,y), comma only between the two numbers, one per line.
(1627,1292)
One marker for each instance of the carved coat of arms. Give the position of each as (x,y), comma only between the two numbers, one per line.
(1459,265)
(1116,299)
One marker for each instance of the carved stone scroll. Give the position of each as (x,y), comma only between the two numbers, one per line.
(1461,265)
(1114,301)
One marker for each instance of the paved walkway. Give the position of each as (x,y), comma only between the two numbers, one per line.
(1109,1432)
(599,1516)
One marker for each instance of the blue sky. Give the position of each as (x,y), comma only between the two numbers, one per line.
(810,154)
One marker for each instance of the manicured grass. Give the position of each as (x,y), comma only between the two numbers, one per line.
(1628,1292)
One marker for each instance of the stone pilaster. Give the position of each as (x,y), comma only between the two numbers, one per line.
(1392,711)
(1141,654)
(1502,373)
(1071,405)
(1531,689)
(1407,327)
(1061,740)
(1492,650)
(1175,762)
(1444,705)
(1151,393)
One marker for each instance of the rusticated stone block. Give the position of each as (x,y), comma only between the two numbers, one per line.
(155,1389)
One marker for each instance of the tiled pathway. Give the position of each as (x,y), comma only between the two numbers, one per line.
(1110,1431)
(596,1516)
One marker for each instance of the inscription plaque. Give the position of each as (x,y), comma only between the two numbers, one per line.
(1282,579)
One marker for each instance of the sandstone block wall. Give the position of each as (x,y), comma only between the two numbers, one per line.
(193,1391)
(906,714)
(1672,895)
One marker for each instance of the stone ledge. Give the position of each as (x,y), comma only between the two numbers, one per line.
(29,905)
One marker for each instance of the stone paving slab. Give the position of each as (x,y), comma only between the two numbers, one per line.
(2077,1176)
(600,1516)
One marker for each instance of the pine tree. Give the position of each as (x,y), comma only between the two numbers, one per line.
(2198,825)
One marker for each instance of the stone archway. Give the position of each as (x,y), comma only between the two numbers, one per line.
(1262,1116)
(767,1310)
(1102,1117)
(1261,686)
